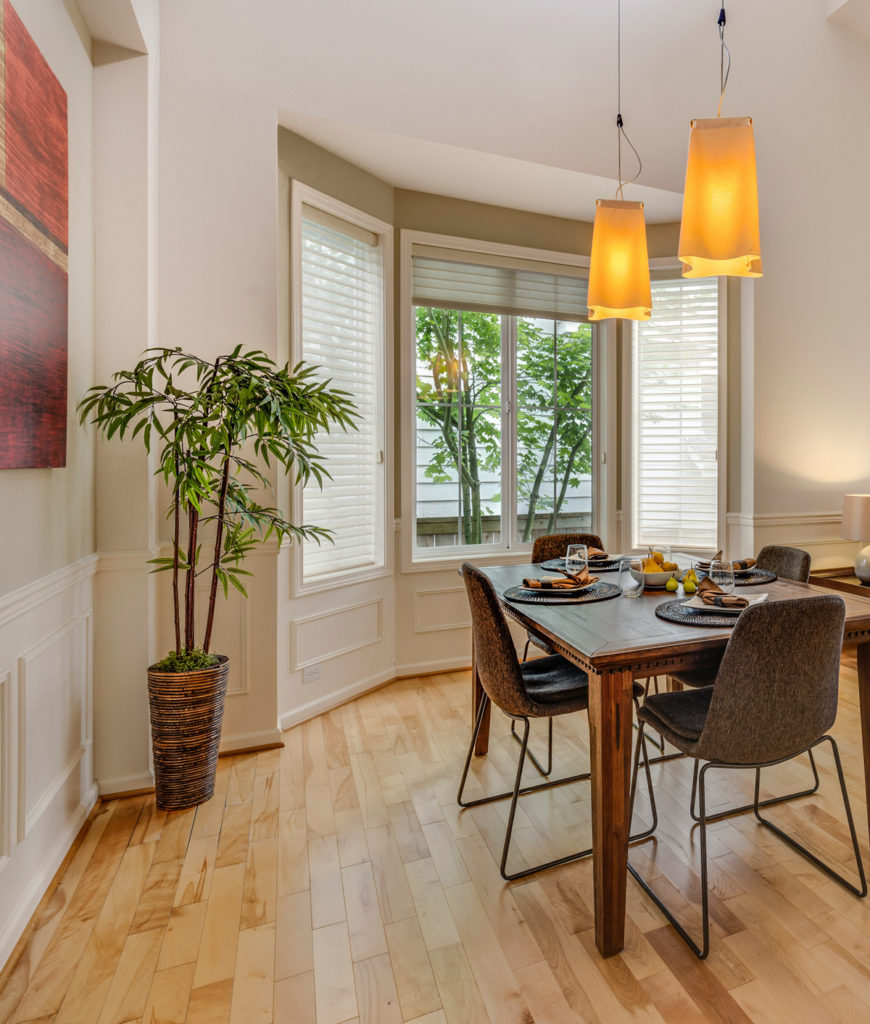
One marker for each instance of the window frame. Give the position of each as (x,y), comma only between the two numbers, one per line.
(603,418)
(665,268)
(300,194)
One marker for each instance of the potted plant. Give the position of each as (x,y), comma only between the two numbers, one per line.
(218,427)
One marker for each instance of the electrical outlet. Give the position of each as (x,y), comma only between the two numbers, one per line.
(311,672)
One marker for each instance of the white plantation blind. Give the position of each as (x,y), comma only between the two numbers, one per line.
(501,285)
(343,333)
(675,417)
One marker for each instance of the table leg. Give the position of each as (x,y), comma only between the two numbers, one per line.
(864,703)
(610,713)
(482,745)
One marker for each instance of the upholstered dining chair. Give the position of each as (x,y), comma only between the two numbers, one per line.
(774,698)
(542,688)
(789,564)
(555,545)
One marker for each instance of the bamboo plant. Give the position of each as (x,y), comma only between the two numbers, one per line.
(218,427)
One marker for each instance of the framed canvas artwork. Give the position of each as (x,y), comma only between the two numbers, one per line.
(34,215)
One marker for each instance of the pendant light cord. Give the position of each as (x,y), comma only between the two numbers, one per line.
(620,125)
(724,65)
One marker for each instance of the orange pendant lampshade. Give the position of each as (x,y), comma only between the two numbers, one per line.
(719,234)
(619,266)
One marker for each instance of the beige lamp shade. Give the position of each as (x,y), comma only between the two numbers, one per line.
(856,517)
(619,265)
(719,234)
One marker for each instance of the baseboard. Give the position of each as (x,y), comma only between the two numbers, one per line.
(353,690)
(248,741)
(17,924)
(126,785)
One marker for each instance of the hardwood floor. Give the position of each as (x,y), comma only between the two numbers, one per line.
(335,881)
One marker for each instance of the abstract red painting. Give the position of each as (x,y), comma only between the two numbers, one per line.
(34,218)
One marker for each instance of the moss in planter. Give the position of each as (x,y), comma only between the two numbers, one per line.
(187,661)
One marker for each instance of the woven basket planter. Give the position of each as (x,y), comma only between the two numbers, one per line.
(187,709)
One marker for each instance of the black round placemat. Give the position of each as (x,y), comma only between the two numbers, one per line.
(676,611)
(607,565)
(750,578)
(597,592)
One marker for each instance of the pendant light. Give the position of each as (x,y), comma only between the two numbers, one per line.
(719,233)
(619,264)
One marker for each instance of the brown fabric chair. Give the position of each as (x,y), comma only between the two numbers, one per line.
(543,688)
(789,564)
(555,545)
(774,698)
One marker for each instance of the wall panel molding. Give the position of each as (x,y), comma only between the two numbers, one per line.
(297,630)
(23,600)
(6,762)
(421,625)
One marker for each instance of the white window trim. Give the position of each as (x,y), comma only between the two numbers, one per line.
(604,414)
(628,425)
(299,194)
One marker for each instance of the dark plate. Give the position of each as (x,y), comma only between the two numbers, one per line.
(607,565)
(595,592)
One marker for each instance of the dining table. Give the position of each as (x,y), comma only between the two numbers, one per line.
(615,642)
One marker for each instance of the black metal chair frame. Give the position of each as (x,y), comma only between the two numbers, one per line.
(520,790)
(703,950)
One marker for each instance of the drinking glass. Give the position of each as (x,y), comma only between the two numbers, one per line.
(576,558)
(630,579)
(722,574)
(665,550)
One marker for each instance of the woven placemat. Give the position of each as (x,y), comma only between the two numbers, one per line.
(676,611)
(608,565)
(597,592)
(751,578)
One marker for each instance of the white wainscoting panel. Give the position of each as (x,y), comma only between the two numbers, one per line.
(336,631)
(815,532)
(46,715)
(441,608)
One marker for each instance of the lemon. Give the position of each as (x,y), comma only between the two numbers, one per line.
(672,584)
(689,586)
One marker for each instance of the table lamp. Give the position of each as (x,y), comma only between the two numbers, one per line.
(856,526)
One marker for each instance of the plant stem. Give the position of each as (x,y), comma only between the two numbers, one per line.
(175,539)
(190,581)
(222,500)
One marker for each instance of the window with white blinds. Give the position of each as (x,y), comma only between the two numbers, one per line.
(675,417)
(342,307)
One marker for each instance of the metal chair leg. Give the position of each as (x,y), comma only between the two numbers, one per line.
(703,950)
(520,790)
(858,890)
(544,771)
(769,802)
(641,749)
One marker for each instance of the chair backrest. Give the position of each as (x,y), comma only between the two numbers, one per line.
(789,563)
(555,545)
(495,655)
(776,688)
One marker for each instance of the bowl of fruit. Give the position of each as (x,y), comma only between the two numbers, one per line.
(657,570)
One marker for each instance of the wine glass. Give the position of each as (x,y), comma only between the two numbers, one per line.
(630,579)
(576,558)
(722,574)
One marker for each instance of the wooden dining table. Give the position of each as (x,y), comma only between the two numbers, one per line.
(617,641)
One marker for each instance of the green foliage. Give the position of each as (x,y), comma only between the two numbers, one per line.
(187,661)
(460,395)
(217,428)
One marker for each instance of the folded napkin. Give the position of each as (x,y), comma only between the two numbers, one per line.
(738,566)
(710,593)
(570,581)
(597,555)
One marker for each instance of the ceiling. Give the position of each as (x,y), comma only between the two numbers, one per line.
(502,101)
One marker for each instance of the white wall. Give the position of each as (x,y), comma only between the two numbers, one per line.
(46,588)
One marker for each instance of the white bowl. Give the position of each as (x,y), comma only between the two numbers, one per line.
(656,580)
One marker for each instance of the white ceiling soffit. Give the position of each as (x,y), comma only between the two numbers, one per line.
(114,22)
(853,15)
(426,166)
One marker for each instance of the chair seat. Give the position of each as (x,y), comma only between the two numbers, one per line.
(678,716)
(558,685)
(695,677)
(540,643)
